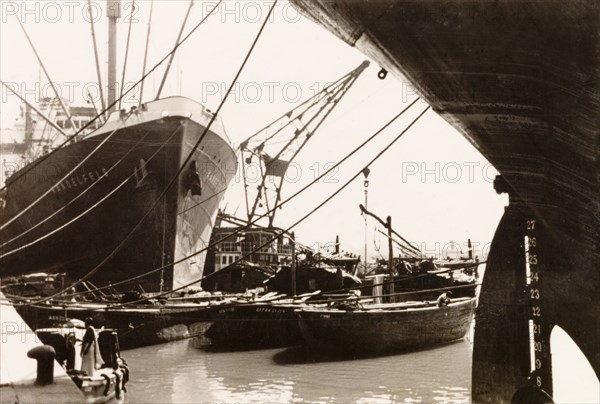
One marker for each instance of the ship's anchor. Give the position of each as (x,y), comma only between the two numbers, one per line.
(193,179)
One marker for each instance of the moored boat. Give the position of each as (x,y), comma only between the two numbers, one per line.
(255,325)
(270,320)
(384,328)
(137,325)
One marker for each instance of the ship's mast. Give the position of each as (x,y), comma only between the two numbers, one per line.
(113,13)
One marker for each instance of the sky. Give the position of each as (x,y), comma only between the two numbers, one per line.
(435,185)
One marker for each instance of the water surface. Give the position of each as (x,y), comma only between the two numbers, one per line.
(179,373)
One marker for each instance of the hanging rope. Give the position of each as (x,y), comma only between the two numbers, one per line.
(402,247)
(69,139)
(96,58)
(56,93)
(146,51)
(164,79)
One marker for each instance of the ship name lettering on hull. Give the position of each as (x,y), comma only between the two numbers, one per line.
(79,180)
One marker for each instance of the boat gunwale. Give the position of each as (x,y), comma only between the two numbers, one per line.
(310,312)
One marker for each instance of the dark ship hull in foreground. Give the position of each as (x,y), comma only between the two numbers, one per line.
(521,81)
(76,207)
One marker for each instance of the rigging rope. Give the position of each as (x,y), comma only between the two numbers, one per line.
(402,247)
(146,51)
(64,225)
(126,52)
(168,68)
(52,83)
(37,111)
(96,58)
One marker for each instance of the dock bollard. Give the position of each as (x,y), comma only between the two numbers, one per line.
(44,355)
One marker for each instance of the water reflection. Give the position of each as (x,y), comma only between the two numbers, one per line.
(179,373)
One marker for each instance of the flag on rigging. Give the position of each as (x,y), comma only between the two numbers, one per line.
(274,167)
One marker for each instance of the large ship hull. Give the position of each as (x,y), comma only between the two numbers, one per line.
(521,81)
(77,209)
